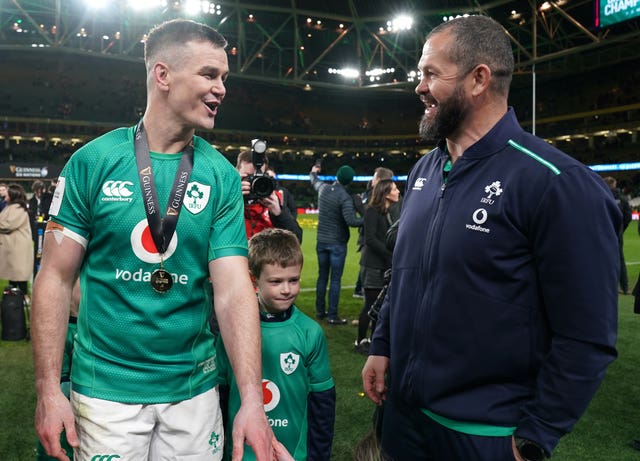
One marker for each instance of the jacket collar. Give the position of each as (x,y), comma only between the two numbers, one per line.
(492,142)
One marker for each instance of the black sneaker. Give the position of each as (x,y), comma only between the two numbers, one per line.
(362,346)
(337,321)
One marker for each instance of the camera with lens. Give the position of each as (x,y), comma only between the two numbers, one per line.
(262,185)
(374,310)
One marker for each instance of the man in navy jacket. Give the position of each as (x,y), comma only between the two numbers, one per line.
(500,319)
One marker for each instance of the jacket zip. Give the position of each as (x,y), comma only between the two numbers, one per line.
(433,237)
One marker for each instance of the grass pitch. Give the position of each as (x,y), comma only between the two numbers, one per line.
(603,434)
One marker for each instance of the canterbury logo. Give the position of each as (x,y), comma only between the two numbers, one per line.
(117,189)
(105,457)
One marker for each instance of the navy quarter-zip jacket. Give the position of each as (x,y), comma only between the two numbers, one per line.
(502,307)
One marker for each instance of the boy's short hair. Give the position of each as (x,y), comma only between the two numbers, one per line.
(273,246)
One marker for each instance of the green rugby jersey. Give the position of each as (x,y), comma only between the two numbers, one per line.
(295,362)
(135,345)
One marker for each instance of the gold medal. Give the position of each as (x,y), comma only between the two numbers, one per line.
(161,280)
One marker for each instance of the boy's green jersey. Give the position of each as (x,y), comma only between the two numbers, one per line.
(135,345)
(295,362)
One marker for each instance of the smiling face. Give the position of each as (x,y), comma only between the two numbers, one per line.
(195,84)
(278,287)
(441,89)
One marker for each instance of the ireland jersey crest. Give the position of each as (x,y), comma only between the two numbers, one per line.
(289,362)
(196,197)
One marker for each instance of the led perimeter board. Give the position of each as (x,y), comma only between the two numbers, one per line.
(609,12)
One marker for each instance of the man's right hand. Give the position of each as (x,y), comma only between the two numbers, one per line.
(246,186)
(53,414)
(373,375)
(316,169)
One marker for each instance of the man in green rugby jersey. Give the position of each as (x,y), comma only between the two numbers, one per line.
(146,215)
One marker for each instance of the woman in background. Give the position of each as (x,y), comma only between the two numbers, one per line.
(16,246)
(376,257)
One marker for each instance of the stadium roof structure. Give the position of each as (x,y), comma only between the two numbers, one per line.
(329,43)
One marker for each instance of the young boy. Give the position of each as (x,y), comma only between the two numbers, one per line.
(299,392)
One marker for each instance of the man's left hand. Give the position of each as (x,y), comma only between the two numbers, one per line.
(251,427)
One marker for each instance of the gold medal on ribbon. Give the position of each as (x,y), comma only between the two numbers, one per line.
(161,280)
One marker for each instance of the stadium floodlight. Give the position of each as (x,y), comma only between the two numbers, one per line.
(195,7)
(192,7)
(400,23)
(376,72)
(546,6)
(347,72)
(414,75)
(141,5)
(97,4)
(451,18)
(350,73)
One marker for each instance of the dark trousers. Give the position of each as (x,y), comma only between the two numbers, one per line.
(624,279)
(410,435)
(636,294)
(370,295)
(331,257)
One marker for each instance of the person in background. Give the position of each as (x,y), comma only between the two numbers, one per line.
(296,374)
(16,246)
(636,301)
(267,212)
(376,256)
(39,202)
(625,209)
(336,213)
(361,201)
(287,196)
(368,448)
(3,195)
(262,213)
(501,315)
(147,215)
(53,185)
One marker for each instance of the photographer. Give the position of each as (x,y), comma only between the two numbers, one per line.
(261,212)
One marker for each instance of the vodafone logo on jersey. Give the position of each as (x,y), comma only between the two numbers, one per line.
(270,395)
(145,248)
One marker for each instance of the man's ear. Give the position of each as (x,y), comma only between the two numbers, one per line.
(481,79)
(161,75)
